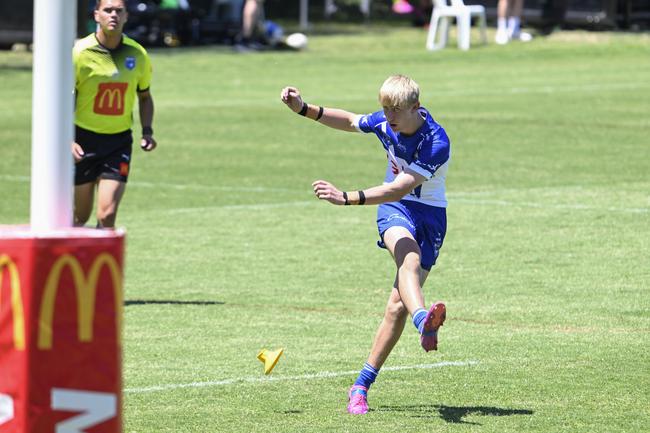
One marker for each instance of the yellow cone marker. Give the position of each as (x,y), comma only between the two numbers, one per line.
(269,358)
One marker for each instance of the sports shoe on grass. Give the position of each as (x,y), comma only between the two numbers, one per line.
(501,37)
(522,36)
(434,320)
(358,403)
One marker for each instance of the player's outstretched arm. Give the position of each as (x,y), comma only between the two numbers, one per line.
(403,184)
(332,117)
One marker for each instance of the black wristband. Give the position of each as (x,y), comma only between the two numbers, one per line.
(147,130)
(303,111)
(320,113)
(345,197)
(362,197)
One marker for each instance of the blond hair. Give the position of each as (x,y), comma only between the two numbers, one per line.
(399,91)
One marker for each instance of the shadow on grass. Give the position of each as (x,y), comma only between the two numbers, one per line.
(452,414)
(15,68)
(169,302)
(289,412)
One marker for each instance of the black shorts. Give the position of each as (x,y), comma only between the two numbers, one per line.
(107,156)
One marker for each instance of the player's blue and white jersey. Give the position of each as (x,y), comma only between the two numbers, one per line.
(427,152)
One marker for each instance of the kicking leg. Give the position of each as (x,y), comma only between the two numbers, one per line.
(406,252)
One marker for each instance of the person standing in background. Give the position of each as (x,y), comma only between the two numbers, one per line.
(111,69)
(509,22)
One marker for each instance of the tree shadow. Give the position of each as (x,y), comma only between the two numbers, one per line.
(169,302)
(452,414)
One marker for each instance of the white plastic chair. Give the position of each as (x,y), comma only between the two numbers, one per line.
(439,25)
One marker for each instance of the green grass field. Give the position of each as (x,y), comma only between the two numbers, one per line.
(545,268)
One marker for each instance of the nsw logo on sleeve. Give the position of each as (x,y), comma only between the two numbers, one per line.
(129,62)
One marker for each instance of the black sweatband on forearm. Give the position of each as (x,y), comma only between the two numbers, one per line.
(362,197)
(320,113)
(303,111)
(345,197)
(147,130)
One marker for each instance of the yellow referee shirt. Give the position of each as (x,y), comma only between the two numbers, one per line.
(106,83)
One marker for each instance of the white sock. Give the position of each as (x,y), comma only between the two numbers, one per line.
(513,25)
(502,25)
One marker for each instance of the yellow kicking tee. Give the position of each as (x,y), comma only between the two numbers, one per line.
(106,82)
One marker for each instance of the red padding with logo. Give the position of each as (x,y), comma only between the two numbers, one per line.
(61,301)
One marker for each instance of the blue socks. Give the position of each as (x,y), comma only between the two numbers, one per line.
(367,375)
(418,319)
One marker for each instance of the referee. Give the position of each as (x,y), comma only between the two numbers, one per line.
(110,70)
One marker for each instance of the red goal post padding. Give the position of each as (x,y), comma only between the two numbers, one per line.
(61,304)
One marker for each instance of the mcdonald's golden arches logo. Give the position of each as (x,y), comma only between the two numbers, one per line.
(86,291)
(17,309)
(110,98)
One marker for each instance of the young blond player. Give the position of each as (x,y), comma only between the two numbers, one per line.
(411,216)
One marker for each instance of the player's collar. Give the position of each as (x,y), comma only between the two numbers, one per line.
(105,47)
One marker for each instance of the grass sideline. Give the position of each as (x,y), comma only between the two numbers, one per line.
(544,269)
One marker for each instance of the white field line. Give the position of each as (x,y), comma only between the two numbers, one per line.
(457,197)
(469,201)
(533,89)
(326,100)
(195,186)
(304,377)
(174,186)
(10,178)
(261,206)
(540,205)
(595,87)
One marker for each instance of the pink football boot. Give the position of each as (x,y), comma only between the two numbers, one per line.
(358,403)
